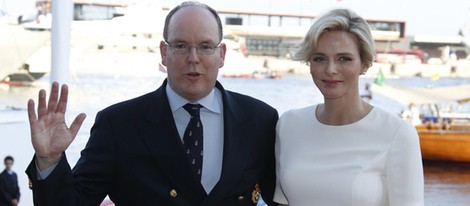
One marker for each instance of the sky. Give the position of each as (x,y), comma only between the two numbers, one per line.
(422,17)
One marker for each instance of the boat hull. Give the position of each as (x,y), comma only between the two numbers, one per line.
(446,145)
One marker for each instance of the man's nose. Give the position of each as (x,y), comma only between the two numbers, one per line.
(193,56)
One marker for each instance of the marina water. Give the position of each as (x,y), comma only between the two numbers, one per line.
(446,184)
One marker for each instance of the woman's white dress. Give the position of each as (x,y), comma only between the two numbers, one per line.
(373,162)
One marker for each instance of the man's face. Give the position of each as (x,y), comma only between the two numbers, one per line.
(8,164)
(192,75)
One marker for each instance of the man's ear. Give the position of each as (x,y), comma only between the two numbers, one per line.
(222,52)
(163,53)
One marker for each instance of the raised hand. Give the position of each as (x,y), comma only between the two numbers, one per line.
(50,135)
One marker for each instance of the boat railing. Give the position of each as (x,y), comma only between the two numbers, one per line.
(444,125)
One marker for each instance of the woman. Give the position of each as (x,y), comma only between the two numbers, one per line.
(345,151)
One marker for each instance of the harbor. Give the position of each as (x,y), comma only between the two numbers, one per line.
(113,59)
(446,183)
(110,29)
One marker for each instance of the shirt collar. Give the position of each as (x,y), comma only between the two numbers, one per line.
(212,102)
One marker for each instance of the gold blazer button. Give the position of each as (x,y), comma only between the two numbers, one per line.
(241,197)
(173,193)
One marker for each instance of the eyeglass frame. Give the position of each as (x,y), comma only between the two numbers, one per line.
(189,48)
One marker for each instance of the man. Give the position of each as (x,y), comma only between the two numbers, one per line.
(136,152)
(9,190)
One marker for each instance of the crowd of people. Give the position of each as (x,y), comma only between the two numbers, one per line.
(232,149)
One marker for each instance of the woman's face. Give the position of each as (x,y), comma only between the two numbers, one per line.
(335,65)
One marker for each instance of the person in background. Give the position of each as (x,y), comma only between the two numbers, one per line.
(412,115)
(344,151)
(367,93)
(138,152)
(9,189)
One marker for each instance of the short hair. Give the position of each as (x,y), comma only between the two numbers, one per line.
(339,19)
(8,158)
(196,4)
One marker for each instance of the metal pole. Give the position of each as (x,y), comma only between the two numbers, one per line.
(62,14)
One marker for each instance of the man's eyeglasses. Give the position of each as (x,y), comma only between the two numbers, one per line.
(183,48)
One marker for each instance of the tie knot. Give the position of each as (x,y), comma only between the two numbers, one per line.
(193,109)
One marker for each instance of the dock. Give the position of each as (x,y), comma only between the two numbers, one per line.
(460,69)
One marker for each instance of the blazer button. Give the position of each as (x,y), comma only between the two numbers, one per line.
(173,193)
(241,197)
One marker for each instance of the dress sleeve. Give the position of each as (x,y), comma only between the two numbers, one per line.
(404,169)
(279,196)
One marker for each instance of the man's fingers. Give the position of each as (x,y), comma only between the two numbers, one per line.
(62,105)
(42,103)
(77,123)
(31,113)
(52,104)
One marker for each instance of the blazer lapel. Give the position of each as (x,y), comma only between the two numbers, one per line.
(236,125)
(160,134)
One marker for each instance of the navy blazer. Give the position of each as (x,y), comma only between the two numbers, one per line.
(135,156)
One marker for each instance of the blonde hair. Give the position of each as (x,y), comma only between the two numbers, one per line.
(339,19)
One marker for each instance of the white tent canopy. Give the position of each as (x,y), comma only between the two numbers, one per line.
(425,95)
